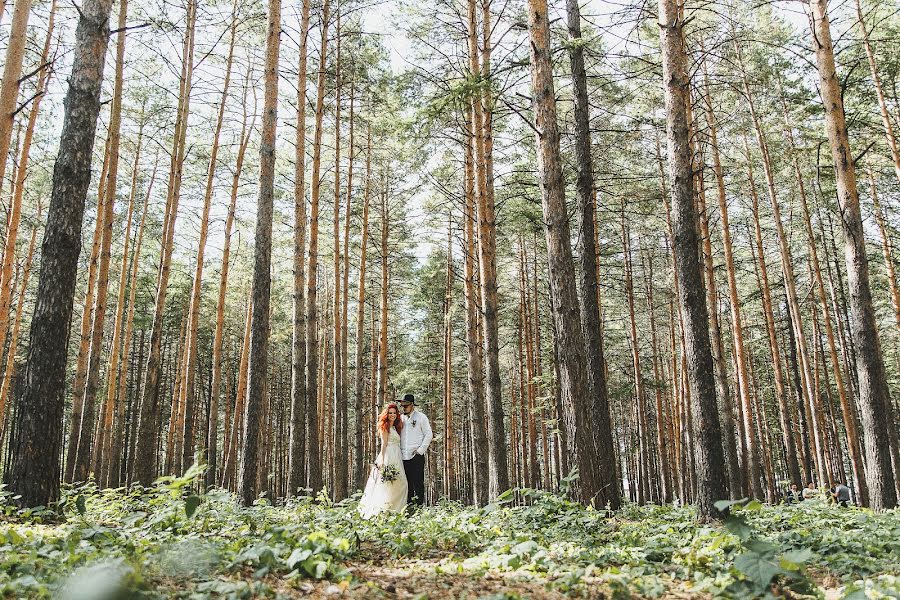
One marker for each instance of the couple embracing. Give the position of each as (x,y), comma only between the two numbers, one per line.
(398,478)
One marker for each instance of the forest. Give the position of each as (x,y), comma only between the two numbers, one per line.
(635,261)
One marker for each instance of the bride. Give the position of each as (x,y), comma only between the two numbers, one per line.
(386,487)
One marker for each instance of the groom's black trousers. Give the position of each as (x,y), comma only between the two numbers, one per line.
(415,477)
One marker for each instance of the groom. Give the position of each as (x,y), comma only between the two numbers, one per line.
(415,437)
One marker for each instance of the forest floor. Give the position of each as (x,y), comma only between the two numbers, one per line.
(167,542)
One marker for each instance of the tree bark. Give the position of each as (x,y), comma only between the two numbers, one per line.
(587,276)
(359,390)
(874,396)
(734,299)
(297,464)
(338,484)
(709,459)
(344,470)
(190,360)
(254,417)
(383,320)
(573,381)
(34,471)
(120,444)
(847,410)
(212,435)
(14,215)
(887,249)
(109,408)
(84,344)
(474,363)
(85,443)
(9,93)
(879,92)
(720,372)
(787,270)
(640,399)
(487,238)
(312,355)
(148,420)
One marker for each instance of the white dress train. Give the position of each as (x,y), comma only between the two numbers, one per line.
(381,495)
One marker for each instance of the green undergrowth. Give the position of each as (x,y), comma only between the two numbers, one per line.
(170,542)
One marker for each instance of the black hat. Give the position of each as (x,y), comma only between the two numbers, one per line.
(409,398)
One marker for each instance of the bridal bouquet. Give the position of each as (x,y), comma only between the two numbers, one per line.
(389,473)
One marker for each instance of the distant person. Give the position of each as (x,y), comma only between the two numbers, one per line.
(810,491)
(841,495)
(793,494)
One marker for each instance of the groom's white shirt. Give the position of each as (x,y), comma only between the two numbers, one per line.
(416,435)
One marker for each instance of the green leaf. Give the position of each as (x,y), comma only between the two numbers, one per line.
(794,560)
(739,527)
(760,547)
(190,505)
(298,556)
(525,548)
(753,505)
(724,505)
(760,568)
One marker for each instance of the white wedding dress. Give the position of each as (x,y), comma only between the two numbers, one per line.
(381,495)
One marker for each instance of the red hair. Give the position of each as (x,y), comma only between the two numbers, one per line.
(384,423)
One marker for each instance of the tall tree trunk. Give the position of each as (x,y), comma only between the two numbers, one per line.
(475,363)
(129,328)
(449,470)
(531,474)
(84,344)
(769,314)
(359,389)
(344,469)
(312,356)
(720,371)
(148,420)
(10,368)
(487,238)
(120,445)
(587,275)
(708,455)
(254,417)
(383,320)
(14,211)
(339,491)
(297,463)
(14,215)
(34,471)
(734,299)
(573,382)
(85,443)
(212,435)
(109,410)
(879,92)
(16,45)
(847,410)
(787,270)
(190,360)
(665,475)
(240,401)
(887,248)
(874,395)
(640,400)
